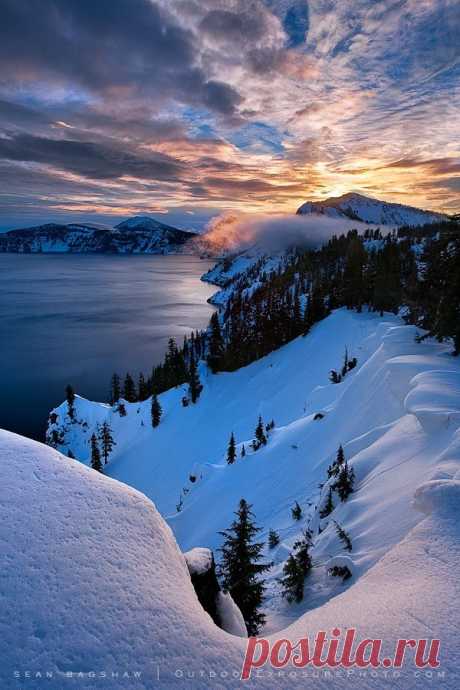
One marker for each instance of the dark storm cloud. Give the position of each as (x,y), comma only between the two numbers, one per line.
(20,115)
(104,45)
(90,159)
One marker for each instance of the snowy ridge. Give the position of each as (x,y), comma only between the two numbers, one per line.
(394,437)
(367,210)
(137,235)
(403,518)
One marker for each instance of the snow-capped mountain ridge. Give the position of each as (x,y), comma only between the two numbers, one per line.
(136,235)
(368,210)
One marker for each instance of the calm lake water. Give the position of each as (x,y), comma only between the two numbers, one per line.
(78,318)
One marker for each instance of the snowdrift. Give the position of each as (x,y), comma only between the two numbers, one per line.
(102,564)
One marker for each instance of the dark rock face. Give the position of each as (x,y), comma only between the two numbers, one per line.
(207,590)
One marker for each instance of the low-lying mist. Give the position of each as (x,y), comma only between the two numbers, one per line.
(272,233)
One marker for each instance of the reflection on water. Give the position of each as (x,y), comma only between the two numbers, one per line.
(77,318)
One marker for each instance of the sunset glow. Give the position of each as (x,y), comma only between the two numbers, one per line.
(189,109)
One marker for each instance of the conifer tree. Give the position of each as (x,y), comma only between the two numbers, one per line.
(260,433)
(240,567)
(70,397)
(343,536)
(129,389)
(143,390)
(121,409)
(328,506)
(273,539)
(115,389)
(345,482)
(296,568)
(216,344)
(107,442)
(243,451)
(156,411)
(334,469)
(334,377)
(231,450)
(195,386)
(95,454)
(296,511)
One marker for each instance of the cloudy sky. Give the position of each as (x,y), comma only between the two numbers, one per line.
(189,107)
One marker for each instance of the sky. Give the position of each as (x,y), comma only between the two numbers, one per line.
(184,109)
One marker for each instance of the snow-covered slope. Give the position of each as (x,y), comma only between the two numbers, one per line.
(367,210)
(396,414)
(136,235)
(94,580)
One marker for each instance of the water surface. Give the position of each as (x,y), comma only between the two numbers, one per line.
(78,318)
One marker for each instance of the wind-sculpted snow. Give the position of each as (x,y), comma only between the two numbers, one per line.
(94,579)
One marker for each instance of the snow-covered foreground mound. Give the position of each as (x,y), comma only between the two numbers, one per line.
(92,583)
(91,580)
(396,415)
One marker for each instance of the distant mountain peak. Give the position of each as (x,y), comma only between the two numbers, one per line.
(365,209)
(137,235)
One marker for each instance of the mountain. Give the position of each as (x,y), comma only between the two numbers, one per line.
(367,210)
(137,235)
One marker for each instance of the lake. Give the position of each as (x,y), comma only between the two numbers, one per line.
(78,318)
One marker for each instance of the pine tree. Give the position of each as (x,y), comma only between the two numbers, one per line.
(343,536)
(241,568)
(95,454)
(243,451)
(129,389)
(156,411)
(292,581)
(345,482)
(273,539)
(121,409)
(107,442)
(216,344)
(334,469)
(296,511)
(195,386)
(70,397)
(142,388)
(231,451)
(115,389)
(260,433)
(334,377)
(296,568)
(328,506)
(345,363)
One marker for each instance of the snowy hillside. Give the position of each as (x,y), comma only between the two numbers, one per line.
(397,416)
(367,210)
(136,235)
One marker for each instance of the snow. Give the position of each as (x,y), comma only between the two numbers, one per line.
(368,210)
(98,574)
(92,579)
(199,560)
(133,236)
(230,615)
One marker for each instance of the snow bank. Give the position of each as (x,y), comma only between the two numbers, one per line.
(199,560)
(435,399)
(230,615)
(92,580)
